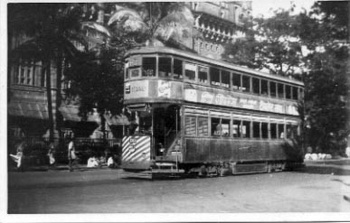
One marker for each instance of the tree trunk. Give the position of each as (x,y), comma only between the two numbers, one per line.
(49,99)
(59,118)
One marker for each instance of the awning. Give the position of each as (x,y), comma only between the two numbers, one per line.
(28,110)
(70,112)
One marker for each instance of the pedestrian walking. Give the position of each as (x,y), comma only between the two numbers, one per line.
(18,158)
(72,157)
(50,154)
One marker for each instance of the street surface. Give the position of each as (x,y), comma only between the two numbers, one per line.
(319,187)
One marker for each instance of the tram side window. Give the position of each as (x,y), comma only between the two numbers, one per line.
(191,124)
(225,78)
(203,74)
(236,129)
(245,129)
(256,129)
(264,130)
(225,126)
(280,90)
(190,71)
(177,69)
(256,85)
(203,126)
(164,67)
(281,131)
(127,73)
(273,129)
(236,81)
(216,128)
(148,66)
(246,83)
(295,93)
(134,72)
(288,92)
(214,76)
(291,131)
(273,92)
(264,88)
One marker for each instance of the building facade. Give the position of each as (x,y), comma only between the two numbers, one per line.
(28,116)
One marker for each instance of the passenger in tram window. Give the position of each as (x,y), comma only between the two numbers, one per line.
(282,135)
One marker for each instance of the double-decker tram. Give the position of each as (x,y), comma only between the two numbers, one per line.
(195,115)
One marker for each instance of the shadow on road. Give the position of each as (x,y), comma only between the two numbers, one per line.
(338,171)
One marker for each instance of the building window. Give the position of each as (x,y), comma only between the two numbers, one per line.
(28,73)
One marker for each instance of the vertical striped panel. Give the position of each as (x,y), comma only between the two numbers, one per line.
(136,149)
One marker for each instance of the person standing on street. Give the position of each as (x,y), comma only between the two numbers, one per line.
(71,154)
(51,156)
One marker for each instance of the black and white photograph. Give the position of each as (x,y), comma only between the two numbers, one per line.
(165,111)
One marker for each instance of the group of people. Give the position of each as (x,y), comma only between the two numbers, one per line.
(71,155)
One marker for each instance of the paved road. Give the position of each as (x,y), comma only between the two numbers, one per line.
(321,187)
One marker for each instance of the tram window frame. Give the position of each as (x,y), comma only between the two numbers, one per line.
(190,71)
(236,128)
(256,85)
(167,66)
(131,73)
(214,73)
(280,131)
(236,79)
(126,73)
(264,87)
(202,126)
(273,130)
(215,123)
(295,92)
(256,129)
(273,89)
(246,83)
(225,78)
(264,130)
(225,122)
(189,120)
(292,131)
(203,76)
(288,90)
(280,90)
(152,64)
(177,67)
(245,129)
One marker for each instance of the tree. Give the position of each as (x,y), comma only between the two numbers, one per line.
(97,77)
(327,81)
(271,44)
(154,23)
(50,29)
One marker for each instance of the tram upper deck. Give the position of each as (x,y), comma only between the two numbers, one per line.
(159,74)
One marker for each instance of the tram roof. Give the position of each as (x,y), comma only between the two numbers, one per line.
(215,62)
